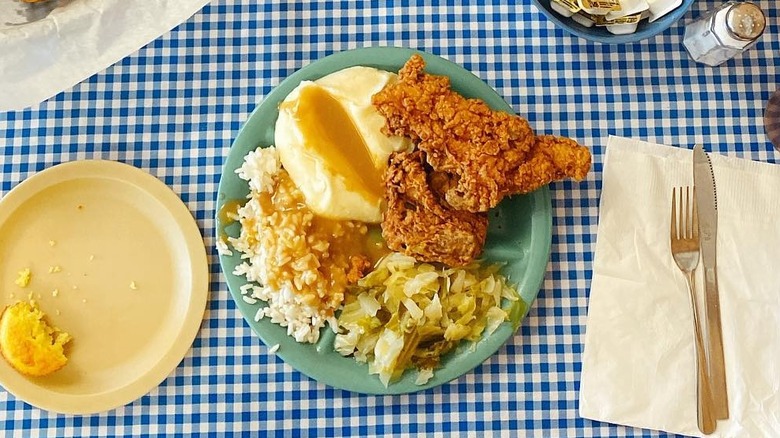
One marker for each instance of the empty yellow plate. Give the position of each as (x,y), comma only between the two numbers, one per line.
(118,262)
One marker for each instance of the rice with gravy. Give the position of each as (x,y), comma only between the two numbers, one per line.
(291,258)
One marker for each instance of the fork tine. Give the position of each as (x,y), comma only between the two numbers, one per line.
(673,227)
(680,214)
(695,216)
(687,212)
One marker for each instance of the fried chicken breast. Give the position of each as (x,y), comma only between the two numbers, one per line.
(479,155)
(417,223)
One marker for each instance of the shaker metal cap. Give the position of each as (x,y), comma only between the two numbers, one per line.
(746,21)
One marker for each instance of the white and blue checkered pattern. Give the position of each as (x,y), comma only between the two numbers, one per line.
(173,108)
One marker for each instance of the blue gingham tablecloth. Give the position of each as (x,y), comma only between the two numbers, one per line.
(173,107)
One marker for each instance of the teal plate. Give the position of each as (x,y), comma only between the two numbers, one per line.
(519,235)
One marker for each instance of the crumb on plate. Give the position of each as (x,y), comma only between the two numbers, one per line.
(23,277)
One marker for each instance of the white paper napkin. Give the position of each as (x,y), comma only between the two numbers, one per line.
(42,58)
(638,363)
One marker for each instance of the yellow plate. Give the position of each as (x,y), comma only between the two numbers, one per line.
(118,262)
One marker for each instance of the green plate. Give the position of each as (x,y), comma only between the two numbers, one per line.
(519,234)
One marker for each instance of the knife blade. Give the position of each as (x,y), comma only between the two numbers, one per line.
(706,198)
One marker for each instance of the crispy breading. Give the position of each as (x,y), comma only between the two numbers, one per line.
(551,158)
(359,265)
(479,155)
(416,223)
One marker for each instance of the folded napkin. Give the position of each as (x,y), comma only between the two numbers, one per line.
(42,58)
(638,363)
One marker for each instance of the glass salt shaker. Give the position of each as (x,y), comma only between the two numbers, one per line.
(724,33)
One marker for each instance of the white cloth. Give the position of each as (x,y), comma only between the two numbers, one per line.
(638,363)
(45,57)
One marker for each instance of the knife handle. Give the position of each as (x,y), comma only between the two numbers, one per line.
(717,365)
(705,409)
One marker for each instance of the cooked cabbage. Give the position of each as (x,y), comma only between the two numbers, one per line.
(405,314)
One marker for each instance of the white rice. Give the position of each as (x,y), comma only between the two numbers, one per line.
(223,249)
(265,257)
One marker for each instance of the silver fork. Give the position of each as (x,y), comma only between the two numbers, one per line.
(684,233)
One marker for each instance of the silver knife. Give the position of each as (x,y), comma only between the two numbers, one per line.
(706,198)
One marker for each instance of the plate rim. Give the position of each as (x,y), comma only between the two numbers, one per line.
(331,63)
(92,403)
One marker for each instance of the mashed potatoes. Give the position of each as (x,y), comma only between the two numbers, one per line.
(329,141)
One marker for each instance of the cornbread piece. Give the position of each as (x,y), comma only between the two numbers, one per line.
(417,224)
(29,344)
(481,155)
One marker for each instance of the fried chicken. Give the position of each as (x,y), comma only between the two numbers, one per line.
(468,159)
(550,159)
(478,155)
(418,224)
